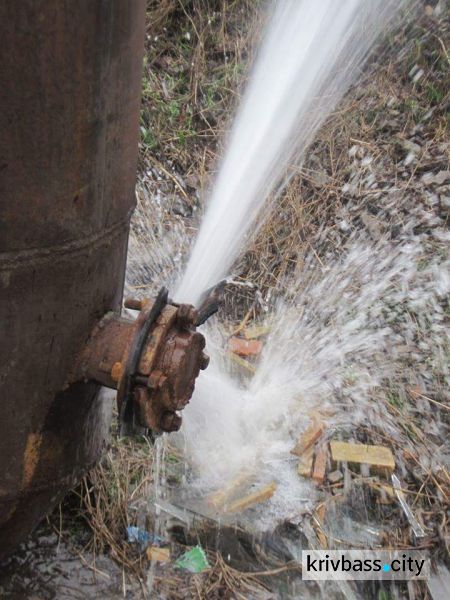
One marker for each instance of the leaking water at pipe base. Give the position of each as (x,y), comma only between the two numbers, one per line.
(48,567)
(274,553)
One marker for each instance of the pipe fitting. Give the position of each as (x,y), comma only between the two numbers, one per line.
(152,361)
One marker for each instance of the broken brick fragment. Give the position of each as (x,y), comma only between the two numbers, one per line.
(245,347)
(305,463)
(308,437)
(261,495)
(379,458)
(158,554)
(320,465)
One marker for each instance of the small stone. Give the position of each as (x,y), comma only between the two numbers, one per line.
(335,476)
(445,202)
(411,146)
(366,161)
(372,224)
(344,225)
(411,157)
(432,199)
(158,554)
(442,177)
(417,75)
(438,178)
(413,70)
(428,178)
(356,151)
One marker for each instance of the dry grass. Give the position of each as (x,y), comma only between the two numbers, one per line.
(221,581)
(196,56)
(378,115)
(123,479)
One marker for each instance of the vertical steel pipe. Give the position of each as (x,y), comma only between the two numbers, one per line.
(70,78)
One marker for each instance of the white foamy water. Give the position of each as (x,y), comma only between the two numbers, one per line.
(311,53)
(343,331)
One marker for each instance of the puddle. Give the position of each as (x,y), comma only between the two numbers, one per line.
(46,568)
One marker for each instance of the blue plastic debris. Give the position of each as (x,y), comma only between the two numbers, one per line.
(142,537)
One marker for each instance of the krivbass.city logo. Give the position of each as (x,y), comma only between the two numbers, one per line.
(320,565)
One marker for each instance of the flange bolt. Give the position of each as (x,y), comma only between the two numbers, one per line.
(133,303)
(204,361)
(170,421)
(186,316)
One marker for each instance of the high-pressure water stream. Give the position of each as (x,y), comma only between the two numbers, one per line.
(311,53)
(358,314)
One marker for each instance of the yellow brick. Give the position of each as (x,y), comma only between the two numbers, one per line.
(309,437)
(257,497)
(320,465)
(305,463)
(255,332)
(379,458)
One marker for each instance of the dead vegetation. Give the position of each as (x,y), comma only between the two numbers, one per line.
(197,52)
(396,120)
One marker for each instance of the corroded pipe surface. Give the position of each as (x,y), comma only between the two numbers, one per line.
(152,361)
(70,78)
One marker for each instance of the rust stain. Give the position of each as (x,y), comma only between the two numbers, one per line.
(31,457)
(116,371)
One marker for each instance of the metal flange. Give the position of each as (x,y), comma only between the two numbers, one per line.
(152,361)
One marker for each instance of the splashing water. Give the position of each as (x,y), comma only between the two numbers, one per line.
(334,341)
(311,53)
(346,325)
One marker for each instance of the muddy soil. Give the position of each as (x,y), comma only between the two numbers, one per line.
(47,567)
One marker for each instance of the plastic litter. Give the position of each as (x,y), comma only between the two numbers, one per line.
(194,560)
(142,537)
(415,525)
(439,582)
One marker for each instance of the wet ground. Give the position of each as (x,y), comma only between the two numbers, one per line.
(46,568)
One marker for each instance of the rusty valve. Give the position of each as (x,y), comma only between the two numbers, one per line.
(152,362)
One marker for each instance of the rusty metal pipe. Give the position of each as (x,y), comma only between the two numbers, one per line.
(70,80)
